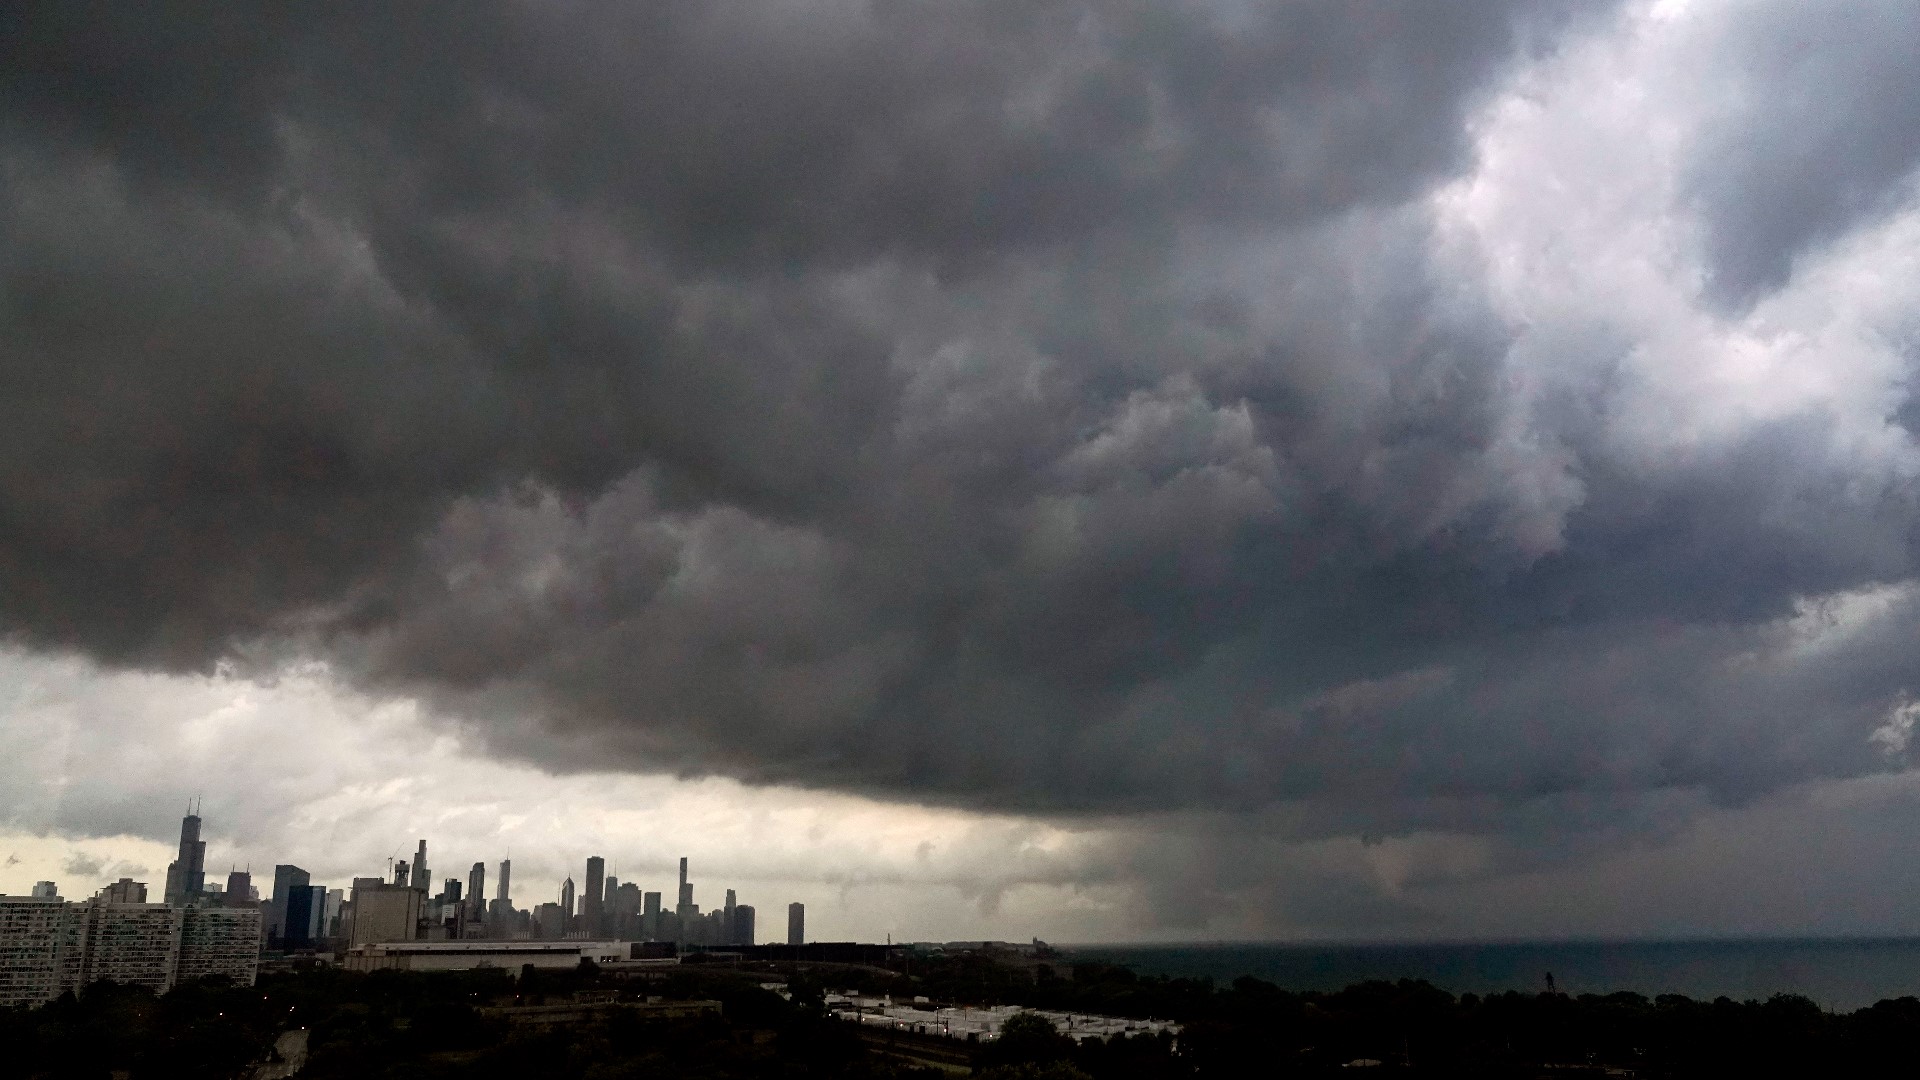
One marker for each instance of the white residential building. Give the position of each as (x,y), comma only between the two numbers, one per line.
(49,946)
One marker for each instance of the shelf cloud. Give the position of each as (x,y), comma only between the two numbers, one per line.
(1348,416)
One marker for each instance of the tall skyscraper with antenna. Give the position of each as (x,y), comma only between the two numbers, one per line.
(187,874)
(593,895)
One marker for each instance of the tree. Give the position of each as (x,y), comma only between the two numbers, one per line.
(1026,1038)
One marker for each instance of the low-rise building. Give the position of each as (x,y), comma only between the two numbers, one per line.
(981,1023)
(567,1014)
(472,955)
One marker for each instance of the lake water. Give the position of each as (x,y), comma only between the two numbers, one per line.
(1840,973)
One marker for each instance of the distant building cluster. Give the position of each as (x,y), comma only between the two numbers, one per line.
(200,927)
(601,908)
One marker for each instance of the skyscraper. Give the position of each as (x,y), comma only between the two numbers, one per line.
(124,891)
(239,888)
(549,923)
(726,921)
(186,875)
(743,925)
(304,914)
(476,890)
(566,899)
(685,912)
(384,912)
(287,879)
(796,923)
(421,879)
(593,896)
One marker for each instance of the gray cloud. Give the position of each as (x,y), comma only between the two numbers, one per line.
(83,864)
(1817,130)
(1062,407)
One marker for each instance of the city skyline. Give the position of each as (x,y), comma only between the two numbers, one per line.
(297,914)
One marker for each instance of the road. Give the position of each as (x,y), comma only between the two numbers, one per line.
(292,1048)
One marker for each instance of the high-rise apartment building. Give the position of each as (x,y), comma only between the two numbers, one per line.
(220,941)
(48,946)
(796,924)
(593,896)
(132,944)
(42,949)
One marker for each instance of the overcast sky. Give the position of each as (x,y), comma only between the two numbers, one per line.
(1096,470)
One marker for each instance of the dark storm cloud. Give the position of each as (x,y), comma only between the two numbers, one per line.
(1030,405)
(1818,131)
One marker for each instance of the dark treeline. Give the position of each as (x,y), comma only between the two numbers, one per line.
(425,1027)
(1413,1028)
(429,1027)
